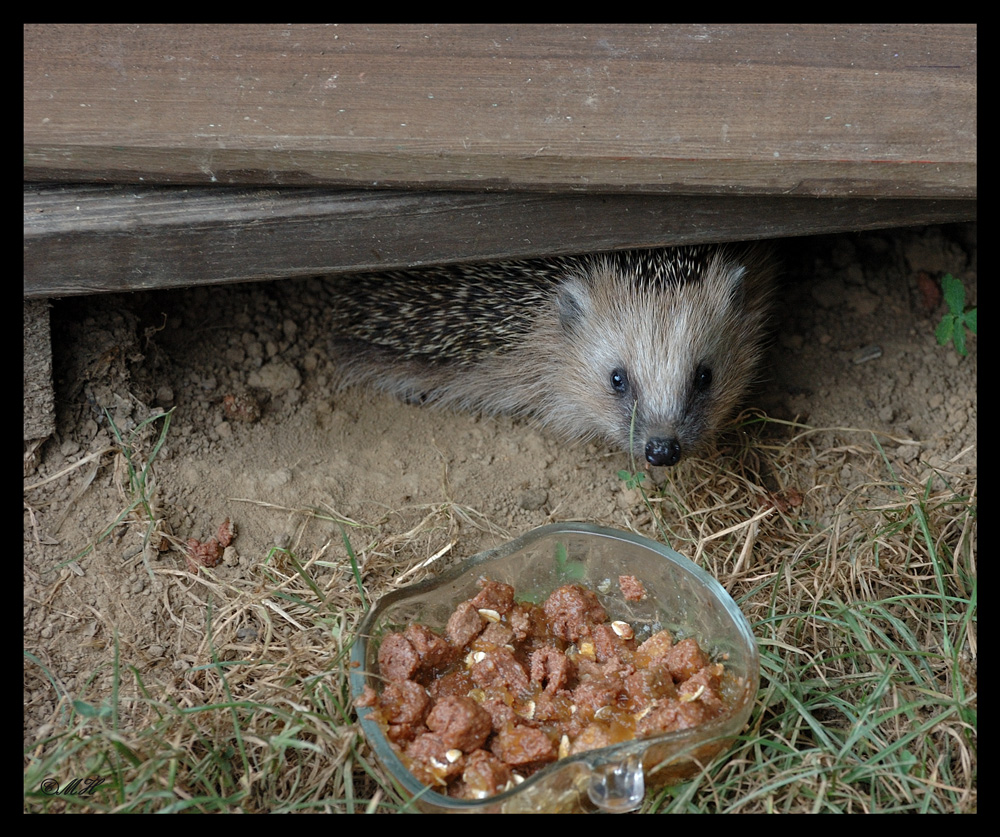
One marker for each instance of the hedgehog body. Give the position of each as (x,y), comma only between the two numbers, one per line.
(650,350)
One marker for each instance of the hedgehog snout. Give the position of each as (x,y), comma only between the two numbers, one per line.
(663,451)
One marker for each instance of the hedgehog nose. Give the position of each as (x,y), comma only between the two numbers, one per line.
(663,451)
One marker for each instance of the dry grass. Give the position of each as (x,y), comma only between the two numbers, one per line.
(857,573)
(860,580)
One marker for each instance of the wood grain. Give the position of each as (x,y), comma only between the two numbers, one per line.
(883,111)
(89,239)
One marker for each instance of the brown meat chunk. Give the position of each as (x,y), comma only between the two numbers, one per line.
(494,596)
(632,589)
(527,620)
(594,694)
(518,745)
(653,651)
(434,650)
(464,625)
(671,715)
(432,761)
(499,669)
(609,646)
(685,659)
(591,738)
(397,659)
(649,684)
(555,707)
(551,668)
(460,722)
(453,683)
(496,635)
(572,610)
(485,775)
(704,686)
(399,733)
(404,702)
(500,713)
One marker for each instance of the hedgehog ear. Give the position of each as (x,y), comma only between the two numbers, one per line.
(736,280)
(573,303)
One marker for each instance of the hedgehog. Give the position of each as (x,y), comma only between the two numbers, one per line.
(650,350)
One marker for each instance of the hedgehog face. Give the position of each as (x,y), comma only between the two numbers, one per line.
(657,367)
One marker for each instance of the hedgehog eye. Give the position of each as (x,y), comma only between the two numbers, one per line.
(619,381)
(702,378)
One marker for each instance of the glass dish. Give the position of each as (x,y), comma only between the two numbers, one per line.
(681,597)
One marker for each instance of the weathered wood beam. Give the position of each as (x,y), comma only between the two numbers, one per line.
(872,110)
(90,239)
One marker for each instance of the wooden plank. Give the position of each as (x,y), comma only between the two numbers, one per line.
(870,110)
(90,239)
